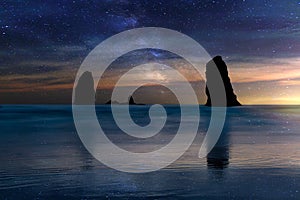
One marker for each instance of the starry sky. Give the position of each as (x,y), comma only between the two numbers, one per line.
(42,44)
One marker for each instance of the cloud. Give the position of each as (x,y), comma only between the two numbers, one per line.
(254,72)
(289,82)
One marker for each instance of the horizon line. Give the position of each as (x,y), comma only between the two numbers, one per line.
(7,104)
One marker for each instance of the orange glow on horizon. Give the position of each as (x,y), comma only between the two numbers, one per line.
(254,83)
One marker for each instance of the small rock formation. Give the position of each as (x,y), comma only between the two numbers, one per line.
(84,91)
(130,102)
(110,102)
(210,77)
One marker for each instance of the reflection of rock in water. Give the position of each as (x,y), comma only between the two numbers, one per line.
(218,157)
(85,92)
(211,78)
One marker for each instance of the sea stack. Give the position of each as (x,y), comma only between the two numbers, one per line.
(84,91)
(132,102)
(211,76)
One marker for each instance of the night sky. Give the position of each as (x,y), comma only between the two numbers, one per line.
(42,44)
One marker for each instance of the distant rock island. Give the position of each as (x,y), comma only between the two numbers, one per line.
(130,102)
(114,102)
(210,77)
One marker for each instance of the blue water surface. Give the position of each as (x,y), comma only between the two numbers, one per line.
(257,156)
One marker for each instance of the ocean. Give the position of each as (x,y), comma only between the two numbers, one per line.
(257,156)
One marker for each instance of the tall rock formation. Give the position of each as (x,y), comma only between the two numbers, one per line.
(211,76)
(84,91)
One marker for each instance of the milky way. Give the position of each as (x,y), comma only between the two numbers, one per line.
(42,44)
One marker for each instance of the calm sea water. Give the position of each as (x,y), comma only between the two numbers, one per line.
(257,157)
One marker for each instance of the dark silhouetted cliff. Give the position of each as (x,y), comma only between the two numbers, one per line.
(211,76)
